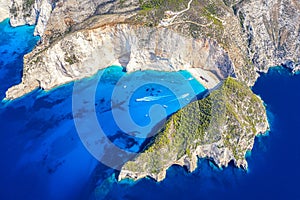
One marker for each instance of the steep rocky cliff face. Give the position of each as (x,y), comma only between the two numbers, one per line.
(255,34)
(4,9)
(83,53)
(57,16)
(29,12)
(68,15)
(23,12)
(273,31)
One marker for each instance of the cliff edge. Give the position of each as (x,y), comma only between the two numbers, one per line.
(256,35)
(82,53)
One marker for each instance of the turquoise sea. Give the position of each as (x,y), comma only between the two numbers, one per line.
(43,156)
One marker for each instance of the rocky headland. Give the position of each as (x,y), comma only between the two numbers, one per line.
(221,127)
(212,39)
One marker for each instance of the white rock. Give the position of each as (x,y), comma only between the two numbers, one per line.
(4,9)
(82,54)
(44,15)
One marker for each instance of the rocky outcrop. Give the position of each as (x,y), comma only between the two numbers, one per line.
(256,34)
(44,9)
(83,53)
(273,30)
(23,12)
(57,16)
(29,12)
(221,127)
(68,15)
(4,9)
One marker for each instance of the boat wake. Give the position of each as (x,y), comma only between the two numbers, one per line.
(151,98)
(155,98)
(181,97)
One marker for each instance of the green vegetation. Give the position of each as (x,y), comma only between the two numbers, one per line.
(71,59)
(212,8)
(151,4)
(242,19)
(229,114)
(13,10)
(152,11)
(28,4)
(210,12)
(148,5)
(122,2)
(36,60)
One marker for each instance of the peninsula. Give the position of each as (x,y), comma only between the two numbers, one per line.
(221,127)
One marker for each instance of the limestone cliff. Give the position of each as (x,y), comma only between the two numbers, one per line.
(255,34)
(273,32)
(83,53)
(23,12)
(71,14)
(221,127)
(4,9)
(31,12)
(57,16)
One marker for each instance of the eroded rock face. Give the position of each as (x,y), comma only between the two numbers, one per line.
(83,53)
(273,28)
(29,12)
(23,12)
(44,13)
(257,35)
(57,16)
(73,12)
(4,9)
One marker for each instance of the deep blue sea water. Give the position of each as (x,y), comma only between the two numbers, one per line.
(44,158)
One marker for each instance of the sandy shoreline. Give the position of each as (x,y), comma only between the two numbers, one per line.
(206,78)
